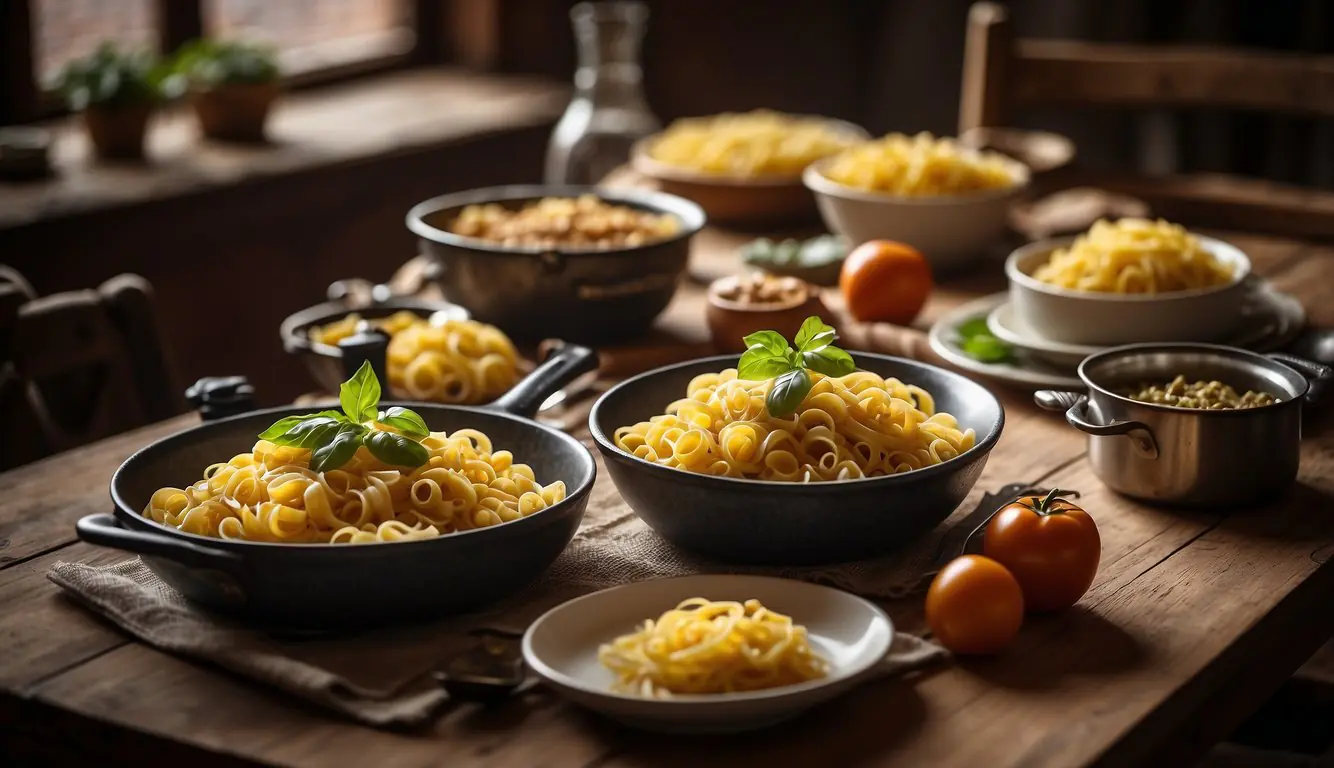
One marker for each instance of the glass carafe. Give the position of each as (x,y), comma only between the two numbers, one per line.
(608,113)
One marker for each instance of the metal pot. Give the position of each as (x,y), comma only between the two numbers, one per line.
(531,293)
(1187,456)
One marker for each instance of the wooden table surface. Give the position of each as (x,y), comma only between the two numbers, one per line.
(1193,620)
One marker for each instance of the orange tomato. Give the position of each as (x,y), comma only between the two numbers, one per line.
(974,606)
(1050,545)
(885,281)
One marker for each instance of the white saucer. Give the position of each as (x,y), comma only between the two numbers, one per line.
(561,647)
(1271,319)
(1026,369)
(1005,325)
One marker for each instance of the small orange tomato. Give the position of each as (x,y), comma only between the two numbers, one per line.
(885,281)
(974,606)
(1050,545)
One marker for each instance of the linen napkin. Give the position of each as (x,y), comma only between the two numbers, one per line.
(612,547)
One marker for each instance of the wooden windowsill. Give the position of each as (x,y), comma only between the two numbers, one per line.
(382,116)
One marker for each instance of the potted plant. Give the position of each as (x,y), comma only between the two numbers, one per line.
(232,86)
(116,92)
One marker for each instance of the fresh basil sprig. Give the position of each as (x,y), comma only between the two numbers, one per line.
(769,356)
(332,437)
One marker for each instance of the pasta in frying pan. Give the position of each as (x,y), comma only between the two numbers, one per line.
(271,494)
(848,427)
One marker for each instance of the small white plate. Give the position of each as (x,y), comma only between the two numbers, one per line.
(1025,369)
(561,647)
(1006,326)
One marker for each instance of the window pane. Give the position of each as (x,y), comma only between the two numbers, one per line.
(311,34)
(68,29)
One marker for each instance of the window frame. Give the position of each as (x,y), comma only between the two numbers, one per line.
(23,99)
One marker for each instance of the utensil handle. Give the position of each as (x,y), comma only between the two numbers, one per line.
(216,397)
(1075,406)
(1318,376)
(369,346)
(104,530)
(564,364)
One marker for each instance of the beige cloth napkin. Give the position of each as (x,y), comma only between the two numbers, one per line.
(613,547)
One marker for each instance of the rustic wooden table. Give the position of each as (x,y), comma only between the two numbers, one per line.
(1193,620)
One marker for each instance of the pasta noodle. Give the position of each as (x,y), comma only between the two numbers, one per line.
(707,647)
(271,494)
(853,426)
(919,166)
(1134,256)
(759,143)
(455,361)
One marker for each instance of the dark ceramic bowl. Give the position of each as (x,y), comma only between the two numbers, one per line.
(777,523)
(588,296)
(322,586)
(324,361)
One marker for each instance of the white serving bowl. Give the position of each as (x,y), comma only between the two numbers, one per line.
(951,231)
(1108,319)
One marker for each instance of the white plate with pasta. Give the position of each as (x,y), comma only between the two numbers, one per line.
(807,644)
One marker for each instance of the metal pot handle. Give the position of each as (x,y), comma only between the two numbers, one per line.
(563,365)
(1075,406)
(1318,376)
(104,530)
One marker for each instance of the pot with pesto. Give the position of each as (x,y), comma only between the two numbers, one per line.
(1195,425)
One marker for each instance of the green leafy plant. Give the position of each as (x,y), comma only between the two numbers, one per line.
(769,356)
(334,436)
(112,78)
(977,341)
(208,64)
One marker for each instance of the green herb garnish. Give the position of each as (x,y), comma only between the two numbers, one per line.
(769,356)
(977,341)
(818,259)
(332,437)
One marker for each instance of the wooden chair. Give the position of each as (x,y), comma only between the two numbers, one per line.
(1002,75)
(79,366)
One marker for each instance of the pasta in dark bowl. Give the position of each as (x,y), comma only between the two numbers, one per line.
(227,548)
(767,512)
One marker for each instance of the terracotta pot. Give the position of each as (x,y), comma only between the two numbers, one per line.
(236,111)
(731,321)
(118,133)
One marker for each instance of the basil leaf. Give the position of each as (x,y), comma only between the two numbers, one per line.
(787,392)
(281,427)
(339,415)
(338,450)
(814,335)
(405,421)
(395,449)
(987,348)
(831,361)
(314,432)
(975,327)
(759,365)
(769,341)
(360,394)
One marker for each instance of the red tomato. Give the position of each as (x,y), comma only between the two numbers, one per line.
(974,606)
(1050,545)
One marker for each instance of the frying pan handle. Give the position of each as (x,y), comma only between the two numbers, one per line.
(105,530)
(564,364)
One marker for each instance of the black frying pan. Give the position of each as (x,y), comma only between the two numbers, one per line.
(331,585)
(773,523)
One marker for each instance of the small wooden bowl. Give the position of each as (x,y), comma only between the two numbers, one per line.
(731,321)
(735,199)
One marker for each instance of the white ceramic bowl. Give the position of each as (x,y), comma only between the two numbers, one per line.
(950,231)
(1108,319)
(561,647)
